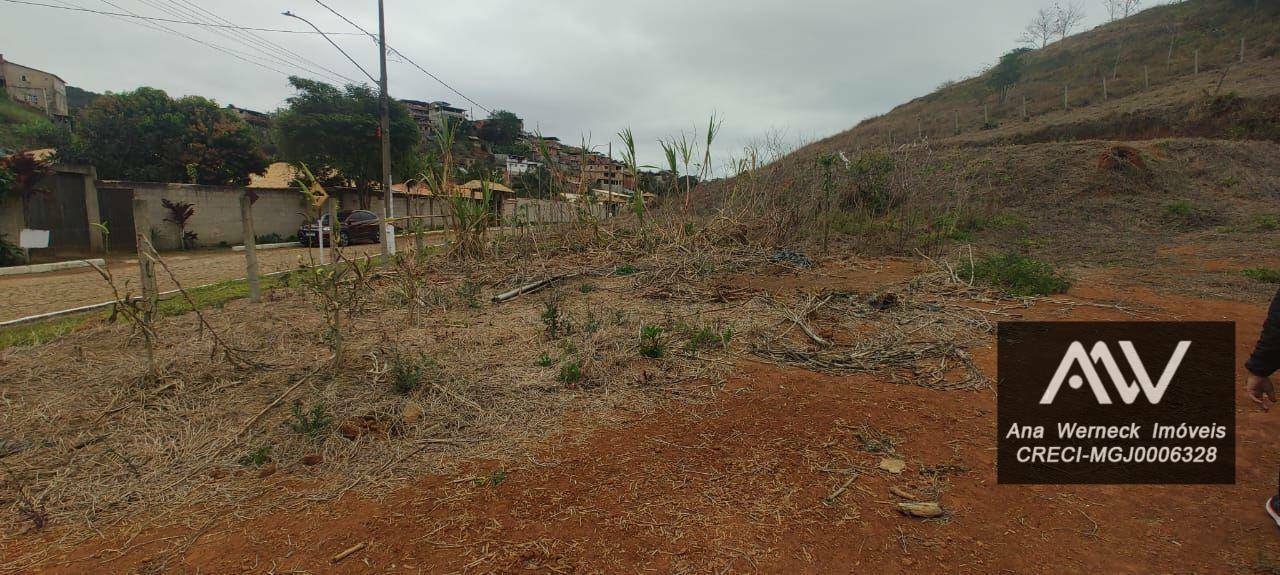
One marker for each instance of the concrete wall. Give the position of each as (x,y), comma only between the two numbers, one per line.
(217,212)
(282,210)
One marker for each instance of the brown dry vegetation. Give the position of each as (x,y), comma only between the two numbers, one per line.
(744,430)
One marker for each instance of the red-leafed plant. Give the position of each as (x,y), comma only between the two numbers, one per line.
(179,214)
(22,173)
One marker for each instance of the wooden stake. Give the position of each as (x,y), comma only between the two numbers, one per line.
(1242,49)
(1065,104)
(333,227)
(147,269)
(1104,88)
(1197,65)
(1146,78)
(957,112)
(350,550)
(1024,107)
(250,248)
(986,118)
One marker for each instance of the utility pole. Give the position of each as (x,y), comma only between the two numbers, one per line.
(385,129)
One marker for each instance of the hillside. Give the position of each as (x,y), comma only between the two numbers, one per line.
(21,127)
(1189,162)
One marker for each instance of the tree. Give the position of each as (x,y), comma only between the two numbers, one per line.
(1066,18)
(1007,72)
(146,135)
(1119,9)
(1040,31)
(501,129)
(335,132)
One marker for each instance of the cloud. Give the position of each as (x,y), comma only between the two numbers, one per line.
(569,67)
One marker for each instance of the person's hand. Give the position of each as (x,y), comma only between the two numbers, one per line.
(1261,391)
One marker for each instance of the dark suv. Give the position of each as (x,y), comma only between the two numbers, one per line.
(355,227)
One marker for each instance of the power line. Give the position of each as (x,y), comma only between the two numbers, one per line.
(250,39)
(406,58)
(335,45)
(171,21)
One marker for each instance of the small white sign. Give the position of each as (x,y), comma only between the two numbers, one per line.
(33,239)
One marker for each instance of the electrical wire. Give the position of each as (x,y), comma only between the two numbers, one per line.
(171,21)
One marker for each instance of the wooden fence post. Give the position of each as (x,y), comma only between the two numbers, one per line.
(147,270)
(1146,78)
(1066,105)
(1242,49)
(986,118)
(1197,65)
(250,248)
(1024,108)
(957,113)
(1104,87)
(333,227)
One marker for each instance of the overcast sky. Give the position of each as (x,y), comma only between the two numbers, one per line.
(808,68)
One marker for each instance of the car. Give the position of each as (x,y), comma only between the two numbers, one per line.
(354,227)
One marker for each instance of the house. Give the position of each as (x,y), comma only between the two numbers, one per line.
(36,88)
(431,116)
(518,166)
(251,117)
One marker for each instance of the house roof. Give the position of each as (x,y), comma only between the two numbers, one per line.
(475,185)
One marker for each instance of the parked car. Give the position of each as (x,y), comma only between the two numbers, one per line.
(354,227)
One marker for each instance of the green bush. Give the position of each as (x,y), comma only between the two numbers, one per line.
(570,372)
(1017,275)
(651,344)
(544,360)
(310,423)
(407,373)
(10,253)
(257,458)
(624,270)
(1267,275)
(1180,208)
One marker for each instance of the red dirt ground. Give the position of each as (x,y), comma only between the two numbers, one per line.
(738,485)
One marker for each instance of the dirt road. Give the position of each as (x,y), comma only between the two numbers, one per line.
(40,293)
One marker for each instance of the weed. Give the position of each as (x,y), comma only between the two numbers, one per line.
(257,458)
(545,360)
(1266,223)
(1018,275)
(552,318)
(587,288)
(312,423)
(624,270)
(651,344)
(407,373)
(706,337)
(1180,208)
(1266,275)
(469,294)
(570,372)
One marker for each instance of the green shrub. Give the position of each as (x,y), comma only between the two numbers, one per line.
(1266,223)
(706,337)
(651,344)
(272,238)
(10,253)
(1018,275)
(545,360)
(257,458)
(624,270)
(1180,208)
(310,423)
(570,372)
(1267,275)
(407,373)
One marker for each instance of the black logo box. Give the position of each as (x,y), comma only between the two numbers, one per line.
(1201,393)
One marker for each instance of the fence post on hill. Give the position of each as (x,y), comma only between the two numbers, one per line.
(250,248)
(986,117)
(1197,64)
(1104,87)
(1024,108)
(1242,49)
(919,128)
(1066,105)
(957,112)
(1146,78)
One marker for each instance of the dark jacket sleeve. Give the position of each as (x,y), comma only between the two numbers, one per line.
(1266,355)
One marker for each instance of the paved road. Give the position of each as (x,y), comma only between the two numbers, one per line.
(40,293)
